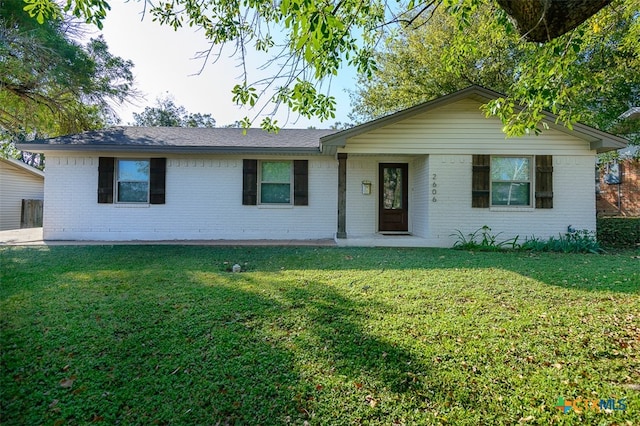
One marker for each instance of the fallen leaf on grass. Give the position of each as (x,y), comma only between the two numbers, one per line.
(67,383)
(371,400)
(526,419)
(358,385)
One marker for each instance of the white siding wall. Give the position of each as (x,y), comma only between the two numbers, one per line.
(573,202)
(458,128)
(16,185)
(362,210)
(362,213)
(203,201)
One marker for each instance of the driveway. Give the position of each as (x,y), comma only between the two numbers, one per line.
(21,237)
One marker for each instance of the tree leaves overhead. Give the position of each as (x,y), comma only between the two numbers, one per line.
(590,74)
(49,83)
(310,41)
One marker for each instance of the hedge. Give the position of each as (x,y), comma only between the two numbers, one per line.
(618,231)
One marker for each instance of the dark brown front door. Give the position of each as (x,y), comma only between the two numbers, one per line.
(393,202)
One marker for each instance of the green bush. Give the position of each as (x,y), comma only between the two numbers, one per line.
(619,231)
(482,240)
(571,242)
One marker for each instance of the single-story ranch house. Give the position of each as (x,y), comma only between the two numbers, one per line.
(412,178)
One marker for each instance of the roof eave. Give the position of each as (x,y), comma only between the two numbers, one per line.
(24,167)
(168,149)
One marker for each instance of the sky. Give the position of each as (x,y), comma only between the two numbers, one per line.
(165,64)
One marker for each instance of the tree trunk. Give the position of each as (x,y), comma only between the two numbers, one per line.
(544,20)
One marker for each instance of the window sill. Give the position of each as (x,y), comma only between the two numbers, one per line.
(275,206)
(512,209)
(132,205)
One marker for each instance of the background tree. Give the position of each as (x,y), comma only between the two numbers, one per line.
(50,84)
(167,114)
(310,41)
(591,75)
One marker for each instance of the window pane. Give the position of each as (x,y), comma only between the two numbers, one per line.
(392,194)
(276,171)
(510,194)
(510,168)
(275,193)
(133,192)
(133,170)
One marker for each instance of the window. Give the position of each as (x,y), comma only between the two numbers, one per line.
(510,181)
(275,182)
(132,181)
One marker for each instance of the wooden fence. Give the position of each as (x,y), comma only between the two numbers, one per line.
(31,215)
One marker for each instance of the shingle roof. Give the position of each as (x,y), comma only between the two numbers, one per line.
(185,138)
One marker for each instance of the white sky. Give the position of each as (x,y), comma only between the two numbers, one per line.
(164,64)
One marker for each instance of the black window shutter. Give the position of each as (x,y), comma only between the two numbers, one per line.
(157,180)
(250,182)
(480,181)
(544,181)
(105,179)
(301,183)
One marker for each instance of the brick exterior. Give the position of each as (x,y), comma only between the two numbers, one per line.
(203,202)
(607,197)
(438,211)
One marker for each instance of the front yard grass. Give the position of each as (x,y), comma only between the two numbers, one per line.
(165,335)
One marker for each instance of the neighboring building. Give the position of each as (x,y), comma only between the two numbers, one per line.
(413,178)
(18,181)
(618,186)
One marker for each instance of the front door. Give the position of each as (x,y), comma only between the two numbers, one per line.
(393,200)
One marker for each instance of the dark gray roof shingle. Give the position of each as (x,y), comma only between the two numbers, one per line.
(186,138)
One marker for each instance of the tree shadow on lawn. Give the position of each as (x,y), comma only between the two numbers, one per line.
(616,272)
(194,344)
(203,347)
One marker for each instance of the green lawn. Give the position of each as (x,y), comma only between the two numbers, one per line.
(165,335)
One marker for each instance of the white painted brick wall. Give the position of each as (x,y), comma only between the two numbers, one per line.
(420,188)
(573,202)
(203,201)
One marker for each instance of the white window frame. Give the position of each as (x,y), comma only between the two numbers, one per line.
(117,181)
(260,182)
(530,182)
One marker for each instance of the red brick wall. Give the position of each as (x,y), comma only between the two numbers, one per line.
(607,199)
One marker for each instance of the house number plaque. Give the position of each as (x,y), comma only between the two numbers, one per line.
(434,191)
